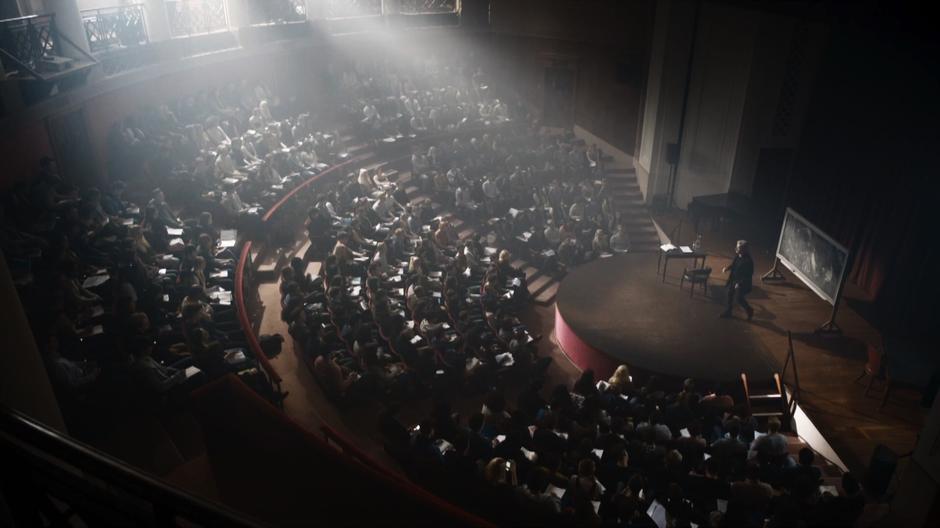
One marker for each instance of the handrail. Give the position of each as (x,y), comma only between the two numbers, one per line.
(26,436)
(242,311)
(332,435)
(239,291)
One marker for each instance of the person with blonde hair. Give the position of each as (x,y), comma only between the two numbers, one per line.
(621,379)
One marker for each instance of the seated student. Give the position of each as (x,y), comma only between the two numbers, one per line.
(385,206)
(601,243)
(620,240)
(772,447)
(750,497)
(153,376)
(162,209)
(337,381)
(66,373)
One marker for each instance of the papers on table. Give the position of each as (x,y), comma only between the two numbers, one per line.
(416,339)
(96,311)
(557,492)
(235,355)
(472,363)
(685,433)
(443,445)
(505,359)
(499,440)
(516,282)
(598,452)
(657,512)
(227,238)
(667,248)
(685,249)
(221,274)
(223,297)
(92,331)
(602,385)
(606,255)
(832,490)
(191,371)
(529,455)
(490,251)
(95,280)
(722,505)
(597,506)
(174,231)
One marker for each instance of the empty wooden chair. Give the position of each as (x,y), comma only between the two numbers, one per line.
(695,276)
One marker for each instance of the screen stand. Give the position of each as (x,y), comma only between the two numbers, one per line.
(773,275)
(830,327)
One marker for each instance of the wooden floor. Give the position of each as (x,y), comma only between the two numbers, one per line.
(828,367)
(621,308)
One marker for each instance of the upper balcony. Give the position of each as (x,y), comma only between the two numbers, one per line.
(41,52)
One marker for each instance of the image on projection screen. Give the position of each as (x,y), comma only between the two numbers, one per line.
(811,255)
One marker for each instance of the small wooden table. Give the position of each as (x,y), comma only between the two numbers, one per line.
(666,256)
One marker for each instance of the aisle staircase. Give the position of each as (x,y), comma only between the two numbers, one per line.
(628,199)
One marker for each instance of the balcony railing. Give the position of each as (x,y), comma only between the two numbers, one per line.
(424,7)
(353,8)
(26,41)
(276,11)
(115,27)
(196,17)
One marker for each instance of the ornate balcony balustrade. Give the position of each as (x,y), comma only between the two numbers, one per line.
(276,11)
(196,17)
(422,7)
(353,8)
(25,41)
(115,27)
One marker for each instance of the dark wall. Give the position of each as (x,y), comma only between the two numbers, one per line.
(867,163)
(605,42)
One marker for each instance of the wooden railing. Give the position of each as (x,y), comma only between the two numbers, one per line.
(91,488)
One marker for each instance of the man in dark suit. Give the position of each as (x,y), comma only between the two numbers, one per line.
(739,279)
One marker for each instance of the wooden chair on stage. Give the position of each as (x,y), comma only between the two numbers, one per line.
(875,369)
(908,368)
(695,276)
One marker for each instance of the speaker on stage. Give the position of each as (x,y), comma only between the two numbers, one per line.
(881,469)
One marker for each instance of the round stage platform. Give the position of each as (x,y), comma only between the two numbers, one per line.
(619,310)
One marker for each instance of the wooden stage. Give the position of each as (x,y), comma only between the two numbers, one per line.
(618,310)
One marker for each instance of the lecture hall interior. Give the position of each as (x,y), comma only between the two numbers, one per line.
(639,263)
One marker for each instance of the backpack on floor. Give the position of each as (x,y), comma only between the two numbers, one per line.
(271,344)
